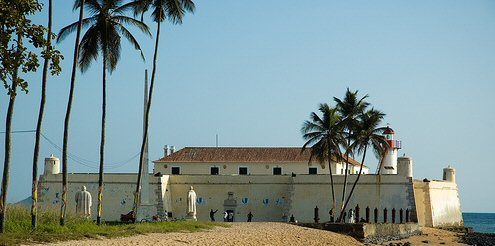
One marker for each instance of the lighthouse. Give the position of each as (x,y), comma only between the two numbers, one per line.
(389,165)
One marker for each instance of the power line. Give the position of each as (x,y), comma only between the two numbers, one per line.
(80,160)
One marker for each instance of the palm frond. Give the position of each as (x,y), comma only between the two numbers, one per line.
(128,35)
(65,31)
(122,19)
(89,47)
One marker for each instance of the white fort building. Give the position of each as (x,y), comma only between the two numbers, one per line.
(272,183)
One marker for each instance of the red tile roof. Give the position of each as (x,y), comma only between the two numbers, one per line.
(240,155)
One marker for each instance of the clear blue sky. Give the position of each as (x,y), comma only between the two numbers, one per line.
(253,71)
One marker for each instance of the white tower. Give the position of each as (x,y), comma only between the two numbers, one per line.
(52,165)
(389,165)
(449,174)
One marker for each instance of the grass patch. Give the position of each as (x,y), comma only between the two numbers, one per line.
(18,228)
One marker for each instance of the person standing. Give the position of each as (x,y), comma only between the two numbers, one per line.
(212,214)
(225,216)
(250,217)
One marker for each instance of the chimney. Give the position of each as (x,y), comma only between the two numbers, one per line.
(166,150)
(172,149)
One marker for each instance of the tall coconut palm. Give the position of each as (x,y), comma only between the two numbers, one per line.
(173,11)
(349,108)
(34,193)
(63,208)
(324,135)
(367,133)
(106,26)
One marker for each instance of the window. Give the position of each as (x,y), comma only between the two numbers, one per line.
(214,170)
(313,170)
(342,171)
(243,171)
(175,170)
(277,171)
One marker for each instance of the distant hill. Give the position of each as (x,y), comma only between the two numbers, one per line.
(25,203)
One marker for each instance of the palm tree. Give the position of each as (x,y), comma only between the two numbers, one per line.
(174,11)
(324,135)
(349,108)
(367,134)
(34,194)
(63,208)
(107,25)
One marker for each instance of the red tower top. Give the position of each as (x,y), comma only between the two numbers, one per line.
(389,136)
(388,130)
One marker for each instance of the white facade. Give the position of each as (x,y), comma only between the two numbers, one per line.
(269,197)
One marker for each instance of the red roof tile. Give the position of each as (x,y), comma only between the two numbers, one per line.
(240,155)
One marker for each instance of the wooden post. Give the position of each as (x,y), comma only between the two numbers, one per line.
(375,212)
(393,215)
(407,215)
(317,217)
(401,216)
(367,214)
(385,215)
(358,219)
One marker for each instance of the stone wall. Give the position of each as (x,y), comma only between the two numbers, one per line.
(118,193)
(438,203)
(269,198)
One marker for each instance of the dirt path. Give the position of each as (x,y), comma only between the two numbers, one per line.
(256,233)
(263,233)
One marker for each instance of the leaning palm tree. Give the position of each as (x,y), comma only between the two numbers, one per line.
(367,133)
(106,26)
(349,108)
(324,135)
(63,208)
(174,11)
(34,194)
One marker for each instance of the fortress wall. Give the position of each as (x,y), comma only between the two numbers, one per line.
(440,203)
(269,197)
(118,193)
(392,191)
(212,191)
(285,194)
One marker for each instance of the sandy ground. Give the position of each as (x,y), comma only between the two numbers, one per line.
(433,236)
(263,233)
(255,233)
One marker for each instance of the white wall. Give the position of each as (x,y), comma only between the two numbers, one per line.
(253,168)
(440,203)
(118,193)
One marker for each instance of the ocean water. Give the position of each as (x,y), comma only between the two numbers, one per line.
(480,222)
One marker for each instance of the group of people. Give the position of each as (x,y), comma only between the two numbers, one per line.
(228,216)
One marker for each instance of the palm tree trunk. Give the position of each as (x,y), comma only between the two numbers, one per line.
(34,193)
(334,204)
(102,141)
(137,195)
(355,182)
(8,144)
(63,208)
(345,175)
